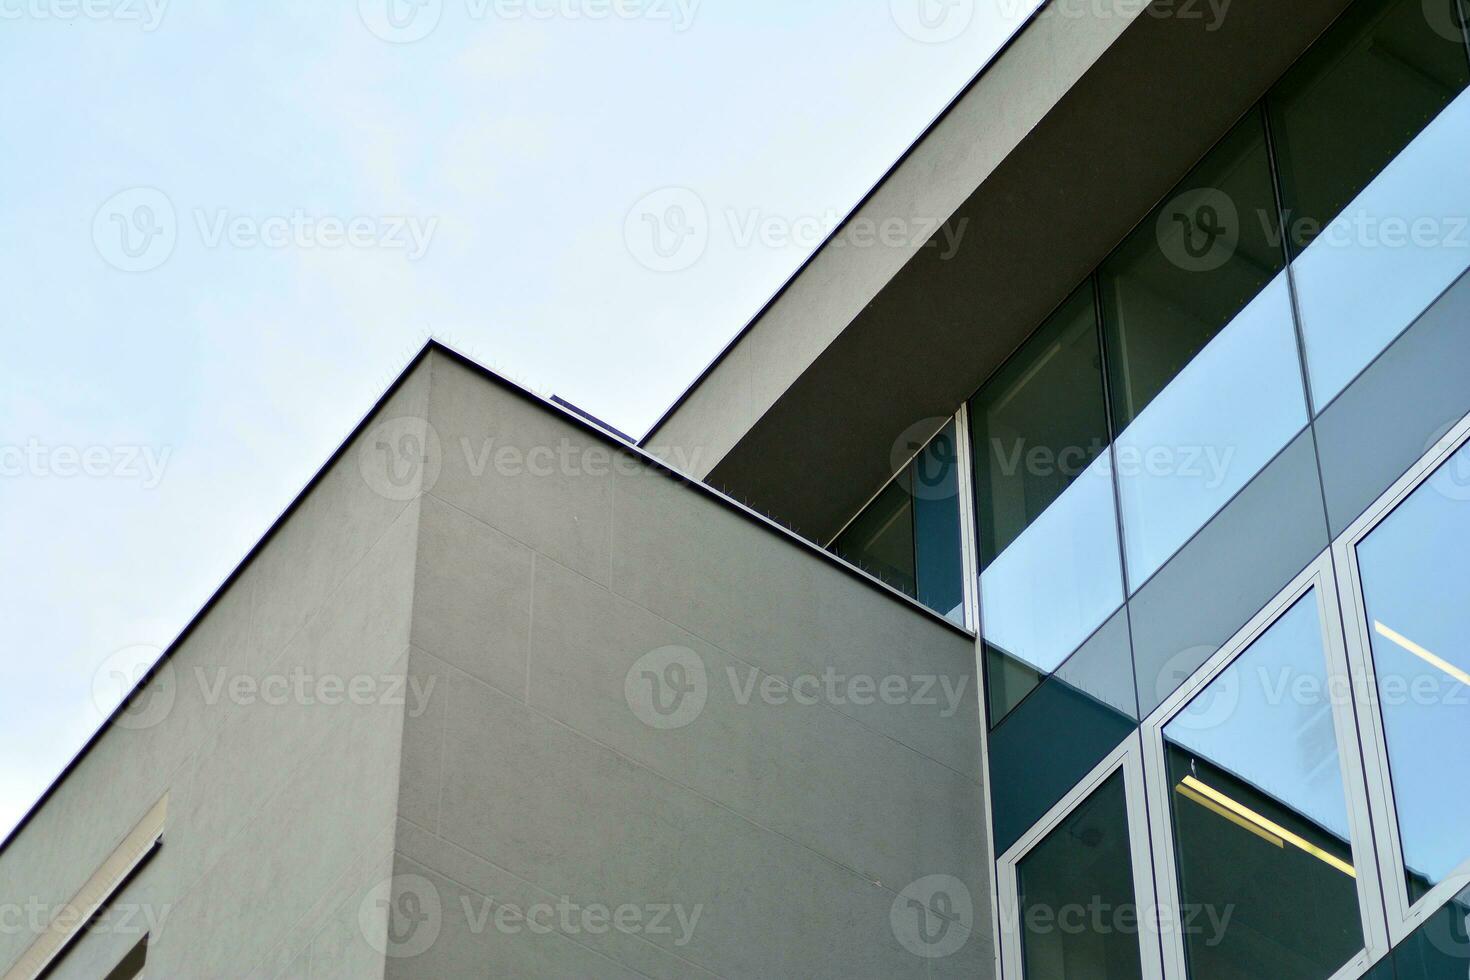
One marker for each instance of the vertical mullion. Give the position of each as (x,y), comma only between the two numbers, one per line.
(1462,14)
(911,469)
(969,542)
(1283,221)
(970,558)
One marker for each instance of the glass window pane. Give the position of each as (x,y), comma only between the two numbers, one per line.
(934,480)
(1260,814)
(1082,872)
(1415,569)
(880,540)
(1357,98)
(1050,741)
(1044,493)
(1217,424)
(1191,266)
(1377,235)
(1202,351)
(1038,424)
(1060,580)
(1439,949)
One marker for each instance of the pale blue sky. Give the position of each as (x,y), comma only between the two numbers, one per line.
(516,145)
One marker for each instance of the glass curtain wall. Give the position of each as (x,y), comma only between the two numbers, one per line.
(1194,303)
(1198,382)
(1415,573)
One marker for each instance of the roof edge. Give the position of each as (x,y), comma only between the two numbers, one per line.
(842,225)
(435,346)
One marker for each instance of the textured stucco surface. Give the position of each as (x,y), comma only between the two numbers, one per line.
(504,572)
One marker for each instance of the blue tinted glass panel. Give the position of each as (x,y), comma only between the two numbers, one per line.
(1257,796)
(1214,427)
(1415,569)
(934,480)
(1061,579)
(1205,373)
(1375,238)
(1044,500)
(1388,255)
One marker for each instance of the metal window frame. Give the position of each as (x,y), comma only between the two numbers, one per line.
(1404,917)
(1128,759)
(1319,579)
(969,552)
(970,559)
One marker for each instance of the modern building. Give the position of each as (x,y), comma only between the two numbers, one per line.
(1077,589)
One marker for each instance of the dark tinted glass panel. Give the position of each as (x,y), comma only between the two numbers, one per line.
(1007,682)
(131,965)
(1038,424)
(880,540)
(1357,98)
(1439,949)
(1050,742)
(935,482)
(1263,843)
(1193,264)
(1415,569)
(1081,872)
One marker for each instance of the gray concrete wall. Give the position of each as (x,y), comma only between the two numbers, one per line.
(281,806)
(514,598)
(561,586)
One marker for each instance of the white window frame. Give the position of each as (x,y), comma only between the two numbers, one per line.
(1317,577)
(1403,917)
(1127,758)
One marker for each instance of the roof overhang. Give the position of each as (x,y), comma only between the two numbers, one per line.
(1045,162)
